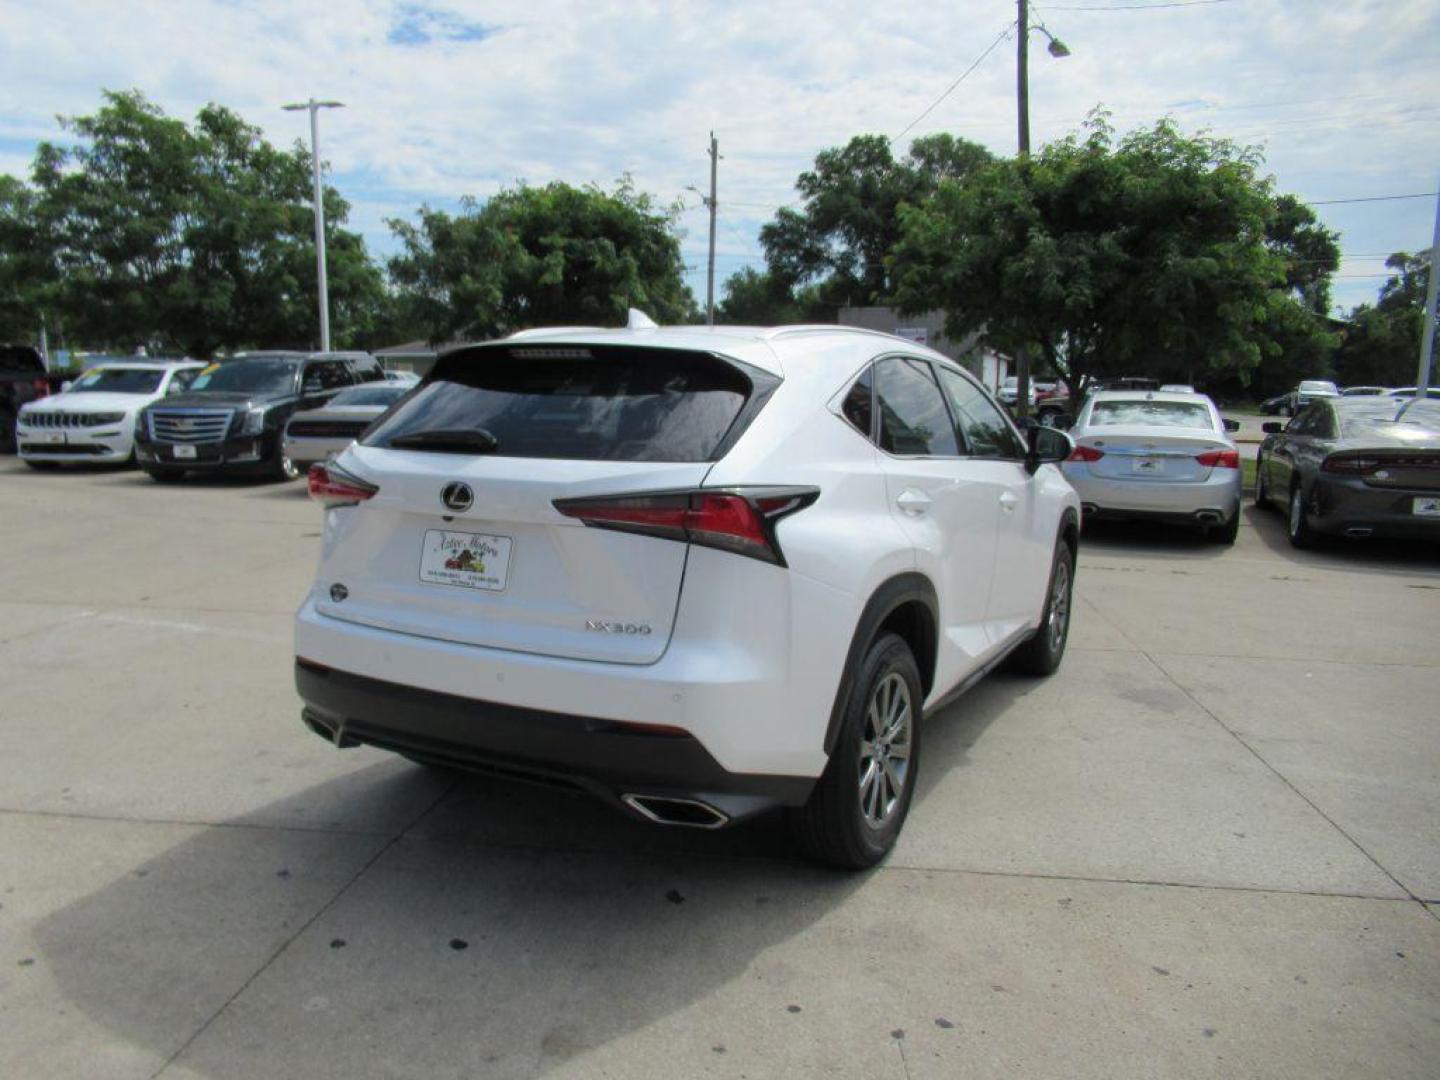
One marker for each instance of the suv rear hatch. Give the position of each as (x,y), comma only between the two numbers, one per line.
(514,428)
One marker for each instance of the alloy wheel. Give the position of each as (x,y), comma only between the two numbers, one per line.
(885,749)
(1059,619)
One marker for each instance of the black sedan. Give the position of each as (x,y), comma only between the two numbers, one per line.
(1355,467)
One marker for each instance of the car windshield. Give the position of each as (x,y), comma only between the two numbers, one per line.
(113,380)
(1146,413)
(368,395)
(249,377)
(1317,386)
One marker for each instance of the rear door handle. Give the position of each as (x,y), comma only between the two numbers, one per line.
(913,502)
(1008,502)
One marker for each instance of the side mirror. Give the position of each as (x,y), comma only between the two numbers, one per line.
(311,387)
(1048,445)
(1231,425)
(1272,427)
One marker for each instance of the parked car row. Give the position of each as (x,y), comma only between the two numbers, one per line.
(1292,401)
(173,417)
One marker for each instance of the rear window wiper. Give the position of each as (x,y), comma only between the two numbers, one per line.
(448,440)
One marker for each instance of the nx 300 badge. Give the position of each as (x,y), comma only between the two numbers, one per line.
(617,627)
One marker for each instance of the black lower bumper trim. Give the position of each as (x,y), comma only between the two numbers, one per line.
(585,753)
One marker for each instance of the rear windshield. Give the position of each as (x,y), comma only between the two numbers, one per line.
(1311,386)
(1168,414)
(119,381)
(593,403)
(368,395)
(1396,421)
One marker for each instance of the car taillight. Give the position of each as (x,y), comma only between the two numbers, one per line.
(1351,464)
(1220,459)
(333,486)
(1085,453)
(741,520)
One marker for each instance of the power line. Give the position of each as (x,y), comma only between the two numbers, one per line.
(1132,7)
(949,89)
(1374,198)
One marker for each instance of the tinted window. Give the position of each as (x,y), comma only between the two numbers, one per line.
(984,430)
(249,377)
(330,374)
(597,403)
(182,379)
(368,395)
(913,418)
(119,381)
(367,369)
(857,407)
(1170,414)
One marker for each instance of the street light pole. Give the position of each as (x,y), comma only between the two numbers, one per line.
(710,269)
(314,108)
(1427,343)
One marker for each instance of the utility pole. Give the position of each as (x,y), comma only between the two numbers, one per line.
(710,202)
(1427,342)
(1022,99)
(314,108)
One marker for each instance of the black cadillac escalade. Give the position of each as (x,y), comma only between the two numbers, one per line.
(233,416)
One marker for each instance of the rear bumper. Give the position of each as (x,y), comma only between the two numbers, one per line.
(1194,502)
(307,450)
(587,753)
(1354,508)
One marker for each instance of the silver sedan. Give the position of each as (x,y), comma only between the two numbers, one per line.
(1162,456)
(316,435)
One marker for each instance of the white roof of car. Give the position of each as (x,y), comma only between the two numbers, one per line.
(764,346)
(141,363)
(1150,395)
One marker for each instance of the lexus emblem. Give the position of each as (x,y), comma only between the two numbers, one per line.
(457,496)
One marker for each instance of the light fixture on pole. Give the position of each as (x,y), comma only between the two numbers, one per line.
(314,107)
(1059,50)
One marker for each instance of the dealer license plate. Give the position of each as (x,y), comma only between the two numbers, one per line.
(183,453)
(470,560)
(47,437)
(1147,465)
(1426,506)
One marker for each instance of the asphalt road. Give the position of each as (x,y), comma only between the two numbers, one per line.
(1204,849)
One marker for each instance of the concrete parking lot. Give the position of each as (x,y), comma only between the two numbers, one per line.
(1209,847)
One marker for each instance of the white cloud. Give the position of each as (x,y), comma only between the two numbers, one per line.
(447,99)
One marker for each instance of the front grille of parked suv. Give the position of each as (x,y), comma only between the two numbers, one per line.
(189,425)
(70,419)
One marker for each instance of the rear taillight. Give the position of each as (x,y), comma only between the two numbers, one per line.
(1220,459)
(1349,464)
(1085,453)
(333,486)
(741,520)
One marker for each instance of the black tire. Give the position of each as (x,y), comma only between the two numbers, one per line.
(1296,527)
(847,823)
(1041,655)
(1262,497)
(7,432)
(165,476)
(1227,533)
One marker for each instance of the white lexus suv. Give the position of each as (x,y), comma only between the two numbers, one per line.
(699,572)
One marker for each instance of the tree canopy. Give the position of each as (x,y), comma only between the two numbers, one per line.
(189,238)
(1154,253)
(1382,344)
(537,256)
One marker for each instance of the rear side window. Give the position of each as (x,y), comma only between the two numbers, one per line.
(857,405)
(986,432)
(592,403)
(913,417)
(1170,414)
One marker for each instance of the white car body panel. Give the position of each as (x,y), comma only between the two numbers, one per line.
(749,655)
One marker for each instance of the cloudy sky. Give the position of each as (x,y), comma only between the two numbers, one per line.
(447,98)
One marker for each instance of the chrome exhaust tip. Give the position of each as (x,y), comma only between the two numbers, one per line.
(1359,531)
(1208,517)
(666,810)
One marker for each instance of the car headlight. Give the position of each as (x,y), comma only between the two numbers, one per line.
(254,422)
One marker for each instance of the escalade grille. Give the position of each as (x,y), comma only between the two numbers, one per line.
(69,419)
(189,425)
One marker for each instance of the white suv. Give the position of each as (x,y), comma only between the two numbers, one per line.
(700,572)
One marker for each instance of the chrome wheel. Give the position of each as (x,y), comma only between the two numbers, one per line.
(1059,620)
(885,749)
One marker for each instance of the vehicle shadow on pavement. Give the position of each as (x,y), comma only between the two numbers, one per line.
(506,932)
(1148,538)
(1339,552)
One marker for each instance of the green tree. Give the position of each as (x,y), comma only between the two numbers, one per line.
(848,222)
(1381,347)
(185,237)
(541,256)
(1153,253)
